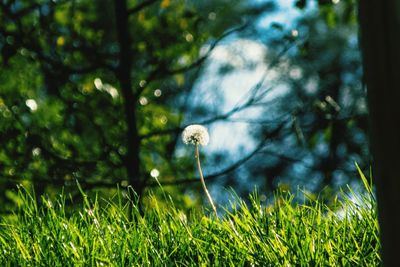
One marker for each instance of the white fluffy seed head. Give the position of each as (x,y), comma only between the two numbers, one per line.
(195,134)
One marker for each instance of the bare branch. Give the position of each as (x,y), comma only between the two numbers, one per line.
(288,158)
(286,117)
(200,60)
(161,70)
(250,99)
(205,122)
(229,169)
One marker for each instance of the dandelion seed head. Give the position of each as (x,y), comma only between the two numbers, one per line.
(195,134)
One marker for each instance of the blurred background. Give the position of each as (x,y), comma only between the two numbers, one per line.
(99,92)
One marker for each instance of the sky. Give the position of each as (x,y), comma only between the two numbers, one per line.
(232,88)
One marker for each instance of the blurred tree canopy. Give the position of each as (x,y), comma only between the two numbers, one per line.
(99,92)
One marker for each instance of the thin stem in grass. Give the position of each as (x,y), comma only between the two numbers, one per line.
(203,183)
(198,135)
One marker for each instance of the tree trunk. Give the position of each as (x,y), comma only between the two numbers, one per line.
(132,160)
(380,42)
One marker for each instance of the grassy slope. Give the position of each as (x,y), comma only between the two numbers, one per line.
(280,235)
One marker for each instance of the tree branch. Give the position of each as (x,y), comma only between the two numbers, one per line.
(289,159)
(161,71)
(249,98)
(229,169)
(205,122)
(200,60)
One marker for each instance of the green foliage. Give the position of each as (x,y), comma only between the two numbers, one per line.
(99,234)
(64,56)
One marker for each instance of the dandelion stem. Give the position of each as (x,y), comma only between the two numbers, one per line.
(203,183)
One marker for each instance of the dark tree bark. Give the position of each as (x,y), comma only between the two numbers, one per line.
(132,160)
(380,42)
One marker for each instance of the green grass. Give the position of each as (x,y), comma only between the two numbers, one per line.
(282,234)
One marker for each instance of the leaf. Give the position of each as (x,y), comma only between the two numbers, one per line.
(367,185)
